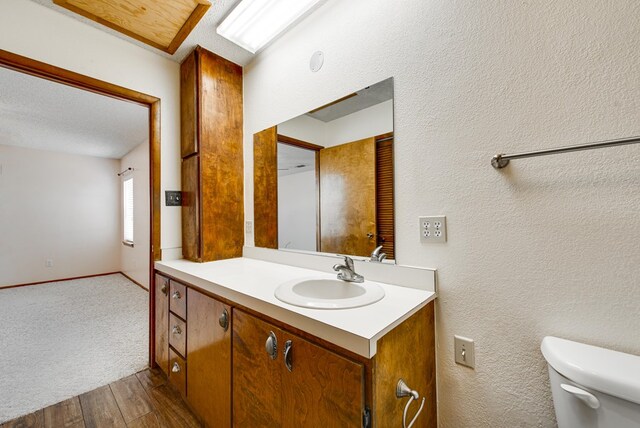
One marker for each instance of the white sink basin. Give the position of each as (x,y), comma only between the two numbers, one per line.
(328,293)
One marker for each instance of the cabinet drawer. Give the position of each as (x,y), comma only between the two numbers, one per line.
(178,334)
(178,372)
(178,299)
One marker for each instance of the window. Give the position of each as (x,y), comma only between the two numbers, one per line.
(127,211)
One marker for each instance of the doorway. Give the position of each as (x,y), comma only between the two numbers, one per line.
(50,73)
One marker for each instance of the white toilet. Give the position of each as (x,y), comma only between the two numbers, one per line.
(592,387)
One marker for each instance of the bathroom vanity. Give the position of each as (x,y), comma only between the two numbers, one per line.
(240,357)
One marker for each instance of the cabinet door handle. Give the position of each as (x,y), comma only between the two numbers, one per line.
(176,294)
(176,330)
(164,288)
(288,355)
(175,368)
(224,320)
(272,346)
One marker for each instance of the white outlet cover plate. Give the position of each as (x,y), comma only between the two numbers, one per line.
(433,229)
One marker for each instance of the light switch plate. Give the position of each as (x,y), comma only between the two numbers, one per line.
(433,229)
(464,349)
(173,198)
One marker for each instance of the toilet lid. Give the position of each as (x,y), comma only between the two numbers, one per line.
(604,370)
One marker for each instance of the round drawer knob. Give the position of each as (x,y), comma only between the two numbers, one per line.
(224,320)
(271,346)
(175,368)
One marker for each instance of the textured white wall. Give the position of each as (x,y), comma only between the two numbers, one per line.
(60,207)
(34,31)
(135,261)
(547,246)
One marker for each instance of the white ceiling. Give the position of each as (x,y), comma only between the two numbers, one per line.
(204,34)
(39,114)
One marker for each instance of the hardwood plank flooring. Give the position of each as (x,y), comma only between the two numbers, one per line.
(100,409)
(143,400)
(67,414)
(131,397)
(32,420)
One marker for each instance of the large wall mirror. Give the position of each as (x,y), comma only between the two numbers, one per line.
(323,181)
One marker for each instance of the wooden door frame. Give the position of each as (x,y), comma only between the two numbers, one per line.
(60,75)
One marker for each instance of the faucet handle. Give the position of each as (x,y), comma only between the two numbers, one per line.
(348,262)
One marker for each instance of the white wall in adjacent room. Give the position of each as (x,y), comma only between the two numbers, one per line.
(40,33)
(369,122)
(59,207)
(297,206)
(135,261)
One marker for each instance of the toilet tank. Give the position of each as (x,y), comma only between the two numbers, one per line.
(592,387)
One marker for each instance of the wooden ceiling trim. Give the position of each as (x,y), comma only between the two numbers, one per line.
(163,24)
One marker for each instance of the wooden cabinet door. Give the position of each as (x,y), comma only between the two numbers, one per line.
(209,358)
(162,322)
(257,387)
(320,388)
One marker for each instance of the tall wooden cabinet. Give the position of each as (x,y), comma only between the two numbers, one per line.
(212,163)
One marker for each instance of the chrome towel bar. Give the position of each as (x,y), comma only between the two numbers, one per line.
(502,160)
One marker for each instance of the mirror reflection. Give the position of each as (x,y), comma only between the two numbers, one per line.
(323,181)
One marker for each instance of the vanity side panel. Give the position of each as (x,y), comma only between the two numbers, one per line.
(162,322)
(407,352)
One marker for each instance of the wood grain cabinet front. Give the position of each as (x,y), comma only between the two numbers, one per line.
(212,160)
(162,322)
(243,369)
(178,372)
(178,299)
(280,379)
(209,359)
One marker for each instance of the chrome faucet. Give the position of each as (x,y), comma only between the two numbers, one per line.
(377,255)
(347,272)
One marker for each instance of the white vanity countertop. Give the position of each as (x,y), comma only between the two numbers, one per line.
(251,283)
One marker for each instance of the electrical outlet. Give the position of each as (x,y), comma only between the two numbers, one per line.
(48,263)
(465,352)
(248,227)
(433,229)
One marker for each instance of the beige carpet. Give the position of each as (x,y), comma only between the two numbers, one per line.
(62,339)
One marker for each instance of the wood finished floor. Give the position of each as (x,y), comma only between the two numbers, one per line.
(143,400)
